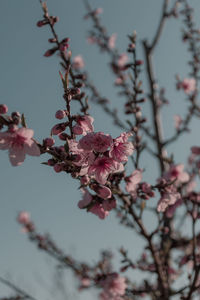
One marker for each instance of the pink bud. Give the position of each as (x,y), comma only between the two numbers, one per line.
(58,168)
(3,109)
(50,52)
(60,114)
(51,162)
(139,62)
(23,217)
(58,128)
(48,142)
(41,23)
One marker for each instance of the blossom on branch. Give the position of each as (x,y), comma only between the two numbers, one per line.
(19,142)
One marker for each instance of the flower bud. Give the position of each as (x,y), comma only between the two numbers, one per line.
(3,109)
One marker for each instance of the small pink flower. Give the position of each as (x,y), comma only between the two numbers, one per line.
(168,198)
(19,143)
(101,168)
(3,109)
(84,125)
(122,60)
(98,142)
(114,286)
(78,62)
(132,182)
(112,40)
(188,85)
(176,172)
(87,199)
(98,210)
(121,148)
(23,217)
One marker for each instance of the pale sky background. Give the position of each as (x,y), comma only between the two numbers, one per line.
(30,84)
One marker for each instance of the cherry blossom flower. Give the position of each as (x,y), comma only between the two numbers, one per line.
(78,62)
(121,148)
(98,142)
(84,125)
(176,173)
(188,85)
(168,198)
(122,60)
(82,158)
(19,142)
(114,286)
(132,182)
(101,168)
(23,217)
(98,210)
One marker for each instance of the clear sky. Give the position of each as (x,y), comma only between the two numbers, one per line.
(30,84)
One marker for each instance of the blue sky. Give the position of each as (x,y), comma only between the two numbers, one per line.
(30,84)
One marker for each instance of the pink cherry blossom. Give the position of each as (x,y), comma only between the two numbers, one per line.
(98,210)
(82,158)
(78,62)
(114,286)
(19,142)
(188,85)
(176,173)
(98,142)
(23,217)
(168,198)
(112,40)
(132,182)
(84,125)
(122,60)
(87,199)
(101,168)
(121,148)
